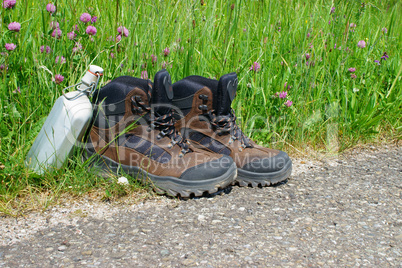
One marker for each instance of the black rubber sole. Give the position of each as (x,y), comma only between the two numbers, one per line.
(254,179)
(104,166)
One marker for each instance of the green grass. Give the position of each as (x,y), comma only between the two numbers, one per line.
(330,111)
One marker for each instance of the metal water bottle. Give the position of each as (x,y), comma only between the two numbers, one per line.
(65,125)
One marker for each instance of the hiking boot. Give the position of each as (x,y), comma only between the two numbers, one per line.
(133,131)
(209,123)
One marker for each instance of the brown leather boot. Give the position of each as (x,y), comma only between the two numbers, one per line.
(133,131)
(209,123)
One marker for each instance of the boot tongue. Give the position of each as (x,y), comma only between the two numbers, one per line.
(162,93)
(227,86)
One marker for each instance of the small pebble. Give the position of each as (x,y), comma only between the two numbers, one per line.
(165,252)
(87,252)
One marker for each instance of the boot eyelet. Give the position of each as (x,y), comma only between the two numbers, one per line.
(170,146)
(149,129)
(181,155)
(203,97)
(163,133)
(158,137)
(203,107)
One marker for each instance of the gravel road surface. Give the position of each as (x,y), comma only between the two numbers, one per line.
(337,212)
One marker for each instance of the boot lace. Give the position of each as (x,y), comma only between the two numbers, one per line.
(164,123)
(225,124)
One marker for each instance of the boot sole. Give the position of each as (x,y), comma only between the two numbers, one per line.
(105,167)
(254,179)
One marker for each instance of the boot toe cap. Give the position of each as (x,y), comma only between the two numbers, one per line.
(268,164)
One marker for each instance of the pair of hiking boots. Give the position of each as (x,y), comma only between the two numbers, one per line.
(182,137)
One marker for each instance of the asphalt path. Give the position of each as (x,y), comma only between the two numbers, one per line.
(336,212)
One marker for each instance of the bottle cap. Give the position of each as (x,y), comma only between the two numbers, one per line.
(92,75)
(96,69)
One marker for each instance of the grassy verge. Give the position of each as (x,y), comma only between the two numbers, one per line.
(338,62)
